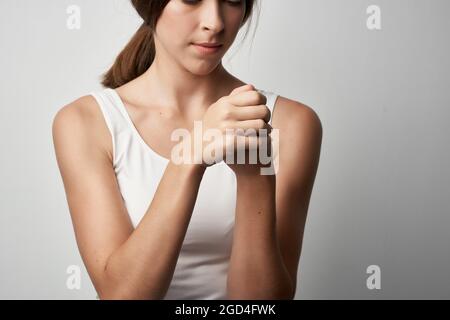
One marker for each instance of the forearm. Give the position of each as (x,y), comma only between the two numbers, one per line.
(257,270)
(142,268)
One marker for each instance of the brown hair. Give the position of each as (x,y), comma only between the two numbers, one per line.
(138,54)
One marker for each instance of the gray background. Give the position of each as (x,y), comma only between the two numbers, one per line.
(382,191)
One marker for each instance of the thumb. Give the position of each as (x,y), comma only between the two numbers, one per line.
(244,88)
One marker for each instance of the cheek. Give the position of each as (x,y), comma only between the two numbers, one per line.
(233,22)
(175,25)
(173,35)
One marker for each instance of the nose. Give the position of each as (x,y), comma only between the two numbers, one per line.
(212,16)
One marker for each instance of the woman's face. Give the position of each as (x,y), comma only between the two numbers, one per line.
(185,23)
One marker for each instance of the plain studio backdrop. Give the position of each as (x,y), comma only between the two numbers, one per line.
(381,196)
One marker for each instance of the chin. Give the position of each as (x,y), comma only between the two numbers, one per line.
(204,68)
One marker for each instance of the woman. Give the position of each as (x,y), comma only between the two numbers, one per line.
(150,228)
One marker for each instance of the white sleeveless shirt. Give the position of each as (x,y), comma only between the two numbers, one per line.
(202,266)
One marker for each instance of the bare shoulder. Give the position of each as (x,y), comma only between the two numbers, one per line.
(294,115)
(80,112)
(300,139)
(81,122)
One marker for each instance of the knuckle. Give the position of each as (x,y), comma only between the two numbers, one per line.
(255,97)
(261,98)
(227,113)
(222,100)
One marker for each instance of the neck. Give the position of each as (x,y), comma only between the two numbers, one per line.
(179,88)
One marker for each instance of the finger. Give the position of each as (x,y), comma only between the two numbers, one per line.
(248,98)
(243,88)
(252,113)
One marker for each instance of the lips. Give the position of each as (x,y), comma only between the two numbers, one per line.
(209,45)
(207,48)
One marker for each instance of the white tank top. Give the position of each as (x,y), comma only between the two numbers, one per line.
(201,270)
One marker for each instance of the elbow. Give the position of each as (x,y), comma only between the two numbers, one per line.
(115,286)
(111,295)
(114,289)
(110,290)
(125,294)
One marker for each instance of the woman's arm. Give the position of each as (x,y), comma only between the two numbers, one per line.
(271,211)
(123,262)
(256,267)
(144,264)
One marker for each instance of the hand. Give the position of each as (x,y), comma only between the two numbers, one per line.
(226,125)
(246,157)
